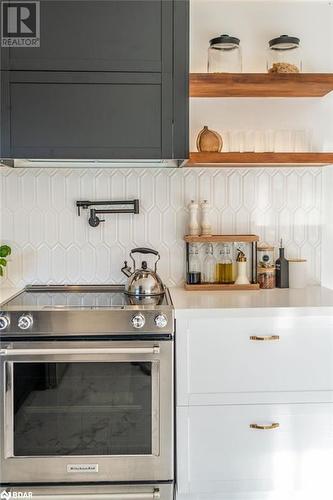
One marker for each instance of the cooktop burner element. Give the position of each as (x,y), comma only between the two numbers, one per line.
(84,310)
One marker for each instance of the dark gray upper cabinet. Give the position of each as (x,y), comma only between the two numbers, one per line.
(109,81)
(97,35)
(96,115)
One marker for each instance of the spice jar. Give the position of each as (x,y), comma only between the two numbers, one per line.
(284,55)
(265,256)
(224,55)
(266,277)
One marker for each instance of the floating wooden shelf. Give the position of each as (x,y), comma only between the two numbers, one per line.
(260,84)
(222,238)
(217,286)
(315,159)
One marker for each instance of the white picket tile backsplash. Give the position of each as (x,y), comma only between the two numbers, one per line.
(52,244)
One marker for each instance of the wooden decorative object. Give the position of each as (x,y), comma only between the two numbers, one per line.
(209,141)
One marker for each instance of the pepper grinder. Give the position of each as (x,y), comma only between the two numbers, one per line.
(206,227)
(242,278)
(194,224)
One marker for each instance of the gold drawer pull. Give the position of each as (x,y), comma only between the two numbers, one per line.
(265,338)
(274,425)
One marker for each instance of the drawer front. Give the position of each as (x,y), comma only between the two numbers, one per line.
(219,451)
(254,355)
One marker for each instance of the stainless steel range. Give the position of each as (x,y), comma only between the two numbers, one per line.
(87,393)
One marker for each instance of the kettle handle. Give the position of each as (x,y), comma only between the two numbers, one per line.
(145,251)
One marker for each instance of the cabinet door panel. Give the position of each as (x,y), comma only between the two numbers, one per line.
(223,359)
(97,35)
(111,82)
(220,453)
(86,120)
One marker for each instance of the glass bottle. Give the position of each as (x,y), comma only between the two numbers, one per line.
(282,269)
(194,271)
(209,265)
(224,266)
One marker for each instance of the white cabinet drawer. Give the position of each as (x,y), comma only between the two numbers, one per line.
(227,356)
(218,451)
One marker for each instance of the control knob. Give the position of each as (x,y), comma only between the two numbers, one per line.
(25,321)
(161,320)
(4,322)
(138,320)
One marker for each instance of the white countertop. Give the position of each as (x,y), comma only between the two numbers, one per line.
(7,293)
(310,297)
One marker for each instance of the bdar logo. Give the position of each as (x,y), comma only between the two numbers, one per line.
(20,24)
(5,494)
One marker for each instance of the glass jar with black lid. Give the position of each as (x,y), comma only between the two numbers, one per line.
(284,55)
(224,55)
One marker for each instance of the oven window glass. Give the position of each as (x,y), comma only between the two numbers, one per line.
(82,409)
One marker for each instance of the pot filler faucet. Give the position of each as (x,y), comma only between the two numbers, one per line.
(94,220)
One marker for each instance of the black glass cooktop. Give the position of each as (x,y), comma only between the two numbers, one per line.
(71,296)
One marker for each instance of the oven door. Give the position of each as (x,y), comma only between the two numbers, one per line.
(87,411)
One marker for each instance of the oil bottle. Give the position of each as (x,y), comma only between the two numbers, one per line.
(224,267)
(282,269)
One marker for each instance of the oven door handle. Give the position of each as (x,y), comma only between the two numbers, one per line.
(105,350)
(153,495)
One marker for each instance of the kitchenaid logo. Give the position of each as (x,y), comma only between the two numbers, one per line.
(15,494)
(82,468)
(20,24)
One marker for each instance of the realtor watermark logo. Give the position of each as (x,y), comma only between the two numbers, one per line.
(20,24)
(8,495)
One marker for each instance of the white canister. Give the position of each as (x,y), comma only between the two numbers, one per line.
(297,273)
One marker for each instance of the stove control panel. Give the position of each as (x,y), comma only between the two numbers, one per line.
(45,322)
(161,321)
(25,321)
(4,321)
(138,321)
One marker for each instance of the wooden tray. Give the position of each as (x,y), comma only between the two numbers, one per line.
(219,287)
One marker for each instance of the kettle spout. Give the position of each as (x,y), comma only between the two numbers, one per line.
(126,270)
